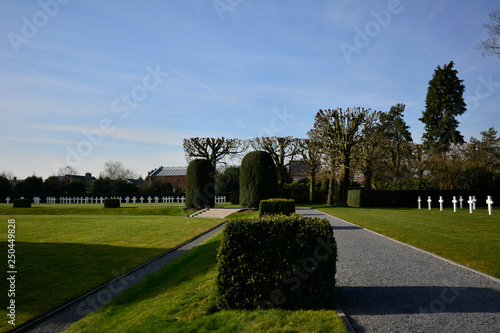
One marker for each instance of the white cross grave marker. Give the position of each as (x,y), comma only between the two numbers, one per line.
(455,201)
(461,203)
(142,199)
(470,202)
(429,200)
(101,199)
(441,203)
(8,200)
(156,199)
(474,201)
(419,202)
(127,199)
(133,200)
(490,203)
(149,200)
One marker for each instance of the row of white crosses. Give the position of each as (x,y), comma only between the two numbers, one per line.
(97,200)
(472,203)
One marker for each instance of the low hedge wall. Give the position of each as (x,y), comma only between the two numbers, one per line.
(277,261)
(111,203)
(276,207)
(408,199)
(234,197)
(21,203)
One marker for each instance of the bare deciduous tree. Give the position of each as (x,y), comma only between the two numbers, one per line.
(212,149)
(342,131)
(115,170)
(282,150)
(491,45)
(310,150)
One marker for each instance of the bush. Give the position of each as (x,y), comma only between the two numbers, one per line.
(277,207)
(111,203)
(475,178)
(402,198)
(283,261)
(22,203)
(235,197)
(200,184)
(298,192)
(258,180)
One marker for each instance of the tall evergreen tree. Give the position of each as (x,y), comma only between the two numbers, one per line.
(444,102)
(397,136)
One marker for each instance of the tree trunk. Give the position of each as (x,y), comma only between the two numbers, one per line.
(312,182)
(331,191)
(344,183)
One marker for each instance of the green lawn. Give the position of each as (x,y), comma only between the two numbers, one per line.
(469,239)
(60,257)
(179,298)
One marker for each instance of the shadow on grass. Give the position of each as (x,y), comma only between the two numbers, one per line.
(414,300)
(192,264)
(52,274)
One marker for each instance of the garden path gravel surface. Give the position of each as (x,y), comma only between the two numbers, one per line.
(386,286)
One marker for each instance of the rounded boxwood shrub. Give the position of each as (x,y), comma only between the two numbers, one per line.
(258,180)
(200,184)
(22,203)
(277,207)
(111,203)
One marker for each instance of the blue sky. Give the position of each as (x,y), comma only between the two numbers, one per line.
(85,82)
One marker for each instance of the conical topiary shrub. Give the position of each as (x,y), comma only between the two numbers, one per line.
(258,178)
(200,184)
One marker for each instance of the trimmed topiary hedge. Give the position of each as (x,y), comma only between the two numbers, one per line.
(200,184)
(276,207)
(258,178)
(235,197)
(277,261)
(21,203)
(111,203)
(408,198)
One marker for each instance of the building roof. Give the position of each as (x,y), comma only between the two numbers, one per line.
(170,171)
(176,171)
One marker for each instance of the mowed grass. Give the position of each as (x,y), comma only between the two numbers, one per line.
(472,240)
(60,257)
(178,298)
(97,209)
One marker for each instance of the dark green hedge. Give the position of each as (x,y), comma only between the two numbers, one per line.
(276,207)
(21,203)
(235,197)
(200,184)
(258,178)
(277,261)
(111,203)
(408,198)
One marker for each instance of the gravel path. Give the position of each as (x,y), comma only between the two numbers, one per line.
(387,286)
(60,319)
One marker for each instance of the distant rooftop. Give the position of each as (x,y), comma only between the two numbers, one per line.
(177,171)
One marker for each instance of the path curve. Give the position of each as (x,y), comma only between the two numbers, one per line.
(386,286)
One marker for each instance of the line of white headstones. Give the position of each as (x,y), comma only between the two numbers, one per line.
(472,203)
(96,200)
